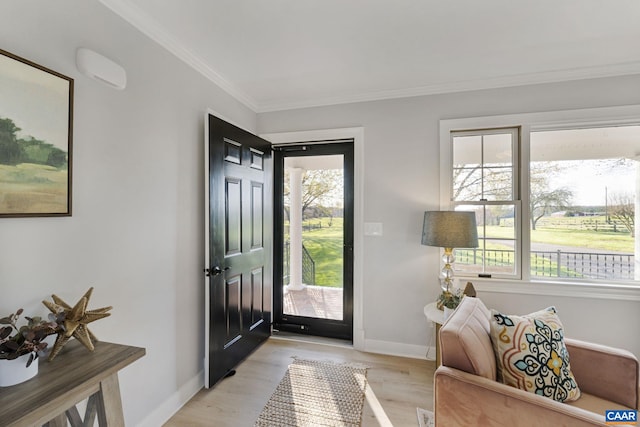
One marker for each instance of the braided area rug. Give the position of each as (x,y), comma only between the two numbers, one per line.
(317,394)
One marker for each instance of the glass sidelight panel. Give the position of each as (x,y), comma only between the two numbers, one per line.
(313,236)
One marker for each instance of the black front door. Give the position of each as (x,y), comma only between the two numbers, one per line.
(240,237)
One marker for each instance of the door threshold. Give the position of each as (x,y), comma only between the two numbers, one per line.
(290,336)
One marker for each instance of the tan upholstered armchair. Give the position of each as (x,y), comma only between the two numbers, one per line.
(467,393)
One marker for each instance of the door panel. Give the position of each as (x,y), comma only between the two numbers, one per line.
(239,246)
(232,309)
(257,300)
(257,214)
(233,210)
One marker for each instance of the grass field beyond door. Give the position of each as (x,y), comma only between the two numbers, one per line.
(323,238)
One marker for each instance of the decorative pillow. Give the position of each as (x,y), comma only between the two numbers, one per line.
(531,354)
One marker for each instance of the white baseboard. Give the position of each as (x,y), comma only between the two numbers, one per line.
(431,353)
(396,349)
(176,401)
(359,342)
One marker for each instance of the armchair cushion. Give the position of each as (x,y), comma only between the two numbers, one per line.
(465,336)
(616,378)
(463,400)
(531,354)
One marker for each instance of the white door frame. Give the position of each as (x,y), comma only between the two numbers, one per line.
(357,134)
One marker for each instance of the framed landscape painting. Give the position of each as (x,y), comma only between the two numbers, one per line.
(36,126)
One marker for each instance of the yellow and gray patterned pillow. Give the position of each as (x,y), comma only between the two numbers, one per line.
(531,354)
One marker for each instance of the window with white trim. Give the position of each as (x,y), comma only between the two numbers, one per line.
(553,203)
(485,181)
(582,203)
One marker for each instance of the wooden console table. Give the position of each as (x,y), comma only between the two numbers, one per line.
(74,375)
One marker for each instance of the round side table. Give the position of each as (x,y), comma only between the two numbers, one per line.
(436,316)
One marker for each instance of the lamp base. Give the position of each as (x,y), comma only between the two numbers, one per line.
(447,271)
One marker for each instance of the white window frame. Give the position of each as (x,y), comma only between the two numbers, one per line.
(528,122)
(515,193)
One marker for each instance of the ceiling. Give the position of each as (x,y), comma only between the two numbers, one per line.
(281,54)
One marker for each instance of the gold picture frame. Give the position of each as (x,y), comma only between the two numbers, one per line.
(36,134)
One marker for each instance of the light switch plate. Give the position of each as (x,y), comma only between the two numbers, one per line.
(373,229)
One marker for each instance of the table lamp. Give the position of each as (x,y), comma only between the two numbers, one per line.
(449,230)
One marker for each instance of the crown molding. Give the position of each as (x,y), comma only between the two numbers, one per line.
(554,76)
(148,26)
(152,29)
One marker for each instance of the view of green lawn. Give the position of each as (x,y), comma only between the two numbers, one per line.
(325,245)
(580,238)
(584,234)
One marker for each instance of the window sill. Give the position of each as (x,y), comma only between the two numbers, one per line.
(564,289)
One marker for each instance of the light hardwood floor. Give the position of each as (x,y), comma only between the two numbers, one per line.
(396,386)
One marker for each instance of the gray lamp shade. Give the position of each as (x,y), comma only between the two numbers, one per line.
(450,229)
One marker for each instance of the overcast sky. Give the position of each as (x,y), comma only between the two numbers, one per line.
(590,179)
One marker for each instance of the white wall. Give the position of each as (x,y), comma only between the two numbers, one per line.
(401,152)
(136,233)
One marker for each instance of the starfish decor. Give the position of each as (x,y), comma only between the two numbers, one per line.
(75,321)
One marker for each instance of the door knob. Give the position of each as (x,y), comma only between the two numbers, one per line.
(214,271)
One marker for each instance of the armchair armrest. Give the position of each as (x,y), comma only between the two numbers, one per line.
(606,372)
(463,399)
